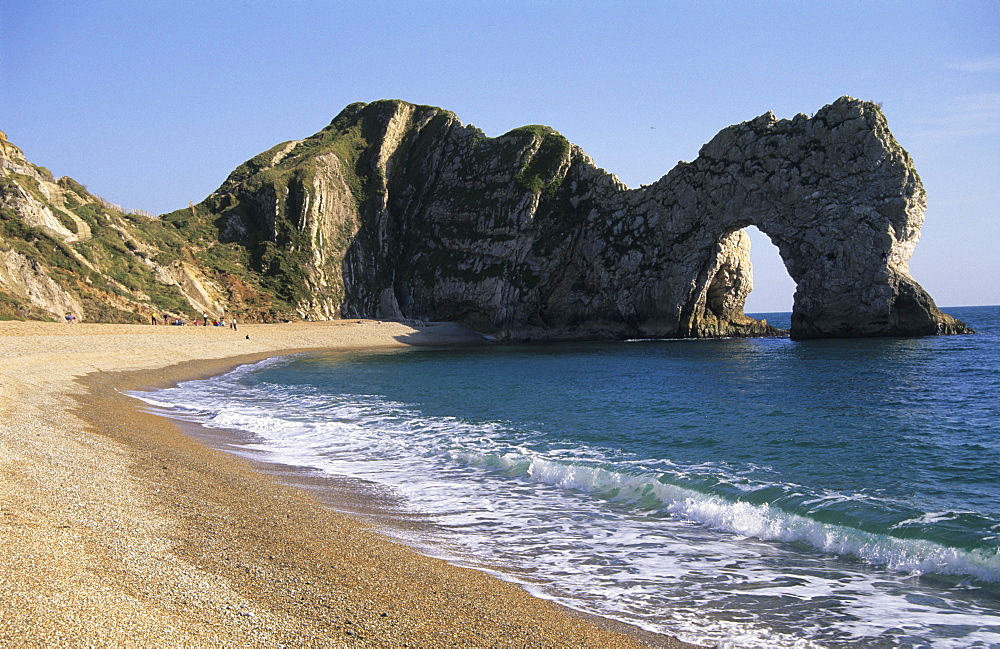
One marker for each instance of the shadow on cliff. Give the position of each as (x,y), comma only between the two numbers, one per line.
(432,334)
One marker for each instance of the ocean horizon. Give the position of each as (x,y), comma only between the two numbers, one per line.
(729,492)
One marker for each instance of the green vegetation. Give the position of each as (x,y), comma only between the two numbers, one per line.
(540,173)
(35,242)
(11,308)
(253,238)
(72,187)
(66,221)
(109,263)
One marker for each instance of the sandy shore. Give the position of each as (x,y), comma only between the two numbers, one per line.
(118,530)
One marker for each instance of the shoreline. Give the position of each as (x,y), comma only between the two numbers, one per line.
(120,527)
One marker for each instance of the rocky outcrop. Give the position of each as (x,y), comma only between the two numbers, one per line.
(402,211)
(33,195)
(839,198)
(396,210)
(27,279)
(66,251)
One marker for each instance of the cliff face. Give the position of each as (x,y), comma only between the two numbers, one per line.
(396,210)
(401,211)
(66,251)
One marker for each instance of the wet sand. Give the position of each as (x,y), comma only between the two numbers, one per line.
(118,529)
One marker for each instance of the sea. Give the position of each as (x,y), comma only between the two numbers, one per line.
(732,493)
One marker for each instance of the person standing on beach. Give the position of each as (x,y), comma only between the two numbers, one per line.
(232,323)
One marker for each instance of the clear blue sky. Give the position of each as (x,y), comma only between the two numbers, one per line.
(151,104)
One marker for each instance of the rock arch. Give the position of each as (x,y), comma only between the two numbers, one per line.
(841,201)
(416,215)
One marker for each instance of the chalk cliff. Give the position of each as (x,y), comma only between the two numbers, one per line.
(66,251)
(396,210)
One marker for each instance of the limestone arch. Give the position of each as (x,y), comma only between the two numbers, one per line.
(845,238)
(850,280)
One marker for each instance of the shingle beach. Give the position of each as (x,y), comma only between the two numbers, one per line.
(116,529)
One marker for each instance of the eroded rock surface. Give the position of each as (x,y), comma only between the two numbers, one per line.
(66,251)
(402,211)
(397,210)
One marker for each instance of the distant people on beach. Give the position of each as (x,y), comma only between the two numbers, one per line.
(169,319)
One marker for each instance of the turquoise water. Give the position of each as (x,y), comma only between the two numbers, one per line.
(743,493)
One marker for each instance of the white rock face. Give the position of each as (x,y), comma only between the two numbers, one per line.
(60,272)
(26,279)
(34,197)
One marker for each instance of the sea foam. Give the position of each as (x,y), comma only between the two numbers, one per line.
(671,546)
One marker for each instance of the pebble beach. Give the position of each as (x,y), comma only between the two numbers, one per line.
(116,529)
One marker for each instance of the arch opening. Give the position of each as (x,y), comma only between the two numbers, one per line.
(773,288)
(716,305)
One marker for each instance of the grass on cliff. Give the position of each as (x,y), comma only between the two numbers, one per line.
(541,171)
(94,271)
(239,268)
(232,233)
